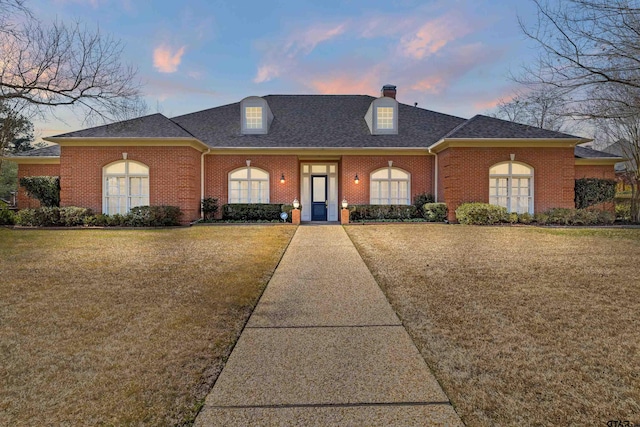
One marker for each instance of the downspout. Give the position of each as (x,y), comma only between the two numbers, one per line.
(202,179)
(435,186)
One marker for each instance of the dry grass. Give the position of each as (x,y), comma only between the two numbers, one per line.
(124,327)
(522,326)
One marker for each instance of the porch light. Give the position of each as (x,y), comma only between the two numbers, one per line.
(296,204)
(356,180)
(282,179)
(344,204)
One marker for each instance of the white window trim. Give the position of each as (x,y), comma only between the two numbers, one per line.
(127,176)
(510,176)
(249,180)
(388,181)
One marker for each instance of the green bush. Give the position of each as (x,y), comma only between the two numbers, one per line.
(419,200)
(623,211)
(209,207)
(46,189)
(73,216)
(153,216)
(7,217)
(382,212)
(525,218)
(592,191)
(251,212)
(562,216)
(481,214)
(435,212)
(52,217)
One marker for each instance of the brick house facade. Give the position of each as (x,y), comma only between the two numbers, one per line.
(311,148)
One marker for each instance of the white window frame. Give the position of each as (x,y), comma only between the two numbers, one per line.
(249,125)
(127,176)
(385,123)
(249,180)
(510,177)
(377,184)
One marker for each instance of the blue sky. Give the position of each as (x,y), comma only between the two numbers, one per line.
(449,56)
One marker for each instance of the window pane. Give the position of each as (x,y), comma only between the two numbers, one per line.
(253,117)
(518,169)
(502,169)
(116,168)
(318,169)
(240,174)
(397,173)
(385,117)
(381,174)
(259,174)
(319,189)
(138,169)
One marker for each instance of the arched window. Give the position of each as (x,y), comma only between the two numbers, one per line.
(511,186)
(249,185)
(390,186)
(126,185)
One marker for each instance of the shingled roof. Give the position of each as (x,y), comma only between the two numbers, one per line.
(486,127)
(318,121)
(590,153)
(153,126)
(50,151)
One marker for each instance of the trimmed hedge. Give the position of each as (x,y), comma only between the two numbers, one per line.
(592,191)
(382,212)
(209,207)
(481,214)
(435,212)
(560,216)
(143,216)
(46,189)
(253,212)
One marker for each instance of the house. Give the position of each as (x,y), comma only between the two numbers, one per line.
(319,149)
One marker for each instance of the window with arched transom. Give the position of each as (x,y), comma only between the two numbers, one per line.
(511,186)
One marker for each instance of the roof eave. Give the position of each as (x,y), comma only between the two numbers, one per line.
(127,141)
(444,143)
(51,160)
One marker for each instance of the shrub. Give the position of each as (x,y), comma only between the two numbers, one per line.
(419,200)
(209,207)
(44,188)
(525,218)
(25,217)
(73,216)
(592,191)
(382,212)
(562,216)
(623,211)
(481,214)
(435,212)
(251,212)
(7,217)
(153,216)
(513,218)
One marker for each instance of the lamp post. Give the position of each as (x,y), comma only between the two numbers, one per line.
(344,214)
(295,213)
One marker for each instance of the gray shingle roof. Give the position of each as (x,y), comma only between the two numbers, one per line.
(50,151)
(318,121)
(481,126)
(153,126)
(590,153)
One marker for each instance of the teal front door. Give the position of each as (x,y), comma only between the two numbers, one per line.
(318,198)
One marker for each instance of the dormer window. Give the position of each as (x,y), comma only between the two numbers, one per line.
(253,117)
(385,117)
(382,116)
(256,115)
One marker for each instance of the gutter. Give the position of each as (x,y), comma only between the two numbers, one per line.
(435,184)
(202,180)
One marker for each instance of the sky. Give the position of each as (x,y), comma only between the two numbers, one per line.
(451,56)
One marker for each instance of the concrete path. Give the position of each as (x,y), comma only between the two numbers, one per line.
(324,347)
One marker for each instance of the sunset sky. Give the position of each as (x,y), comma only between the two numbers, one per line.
(449,56)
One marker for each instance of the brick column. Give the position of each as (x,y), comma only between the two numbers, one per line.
(295,217)
(344,216)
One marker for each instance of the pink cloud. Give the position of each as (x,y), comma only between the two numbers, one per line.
(430,85)
(165,60)
(280,58)
(433,36)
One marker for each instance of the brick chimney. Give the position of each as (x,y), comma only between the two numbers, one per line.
(389,90)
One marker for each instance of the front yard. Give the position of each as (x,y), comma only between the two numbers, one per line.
(124,327)
(522,326)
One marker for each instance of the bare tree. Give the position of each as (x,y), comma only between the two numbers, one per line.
(586,45)
(49,66)
(540,107)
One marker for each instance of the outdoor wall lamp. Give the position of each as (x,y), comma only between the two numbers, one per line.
(344,204)
(296,204)
(356,180)
(282,179)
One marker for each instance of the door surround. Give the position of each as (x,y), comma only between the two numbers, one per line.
(307,170)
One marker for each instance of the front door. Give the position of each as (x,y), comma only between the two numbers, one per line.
(319,198)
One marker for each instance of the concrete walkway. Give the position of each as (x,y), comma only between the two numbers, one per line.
(324,347)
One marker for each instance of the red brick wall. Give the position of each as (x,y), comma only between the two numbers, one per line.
(593,171)
(33,170)
(174,176)
(419,166)
(217,168)
(465,175)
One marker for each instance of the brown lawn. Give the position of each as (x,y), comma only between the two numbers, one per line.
(522,326)
(124,327)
